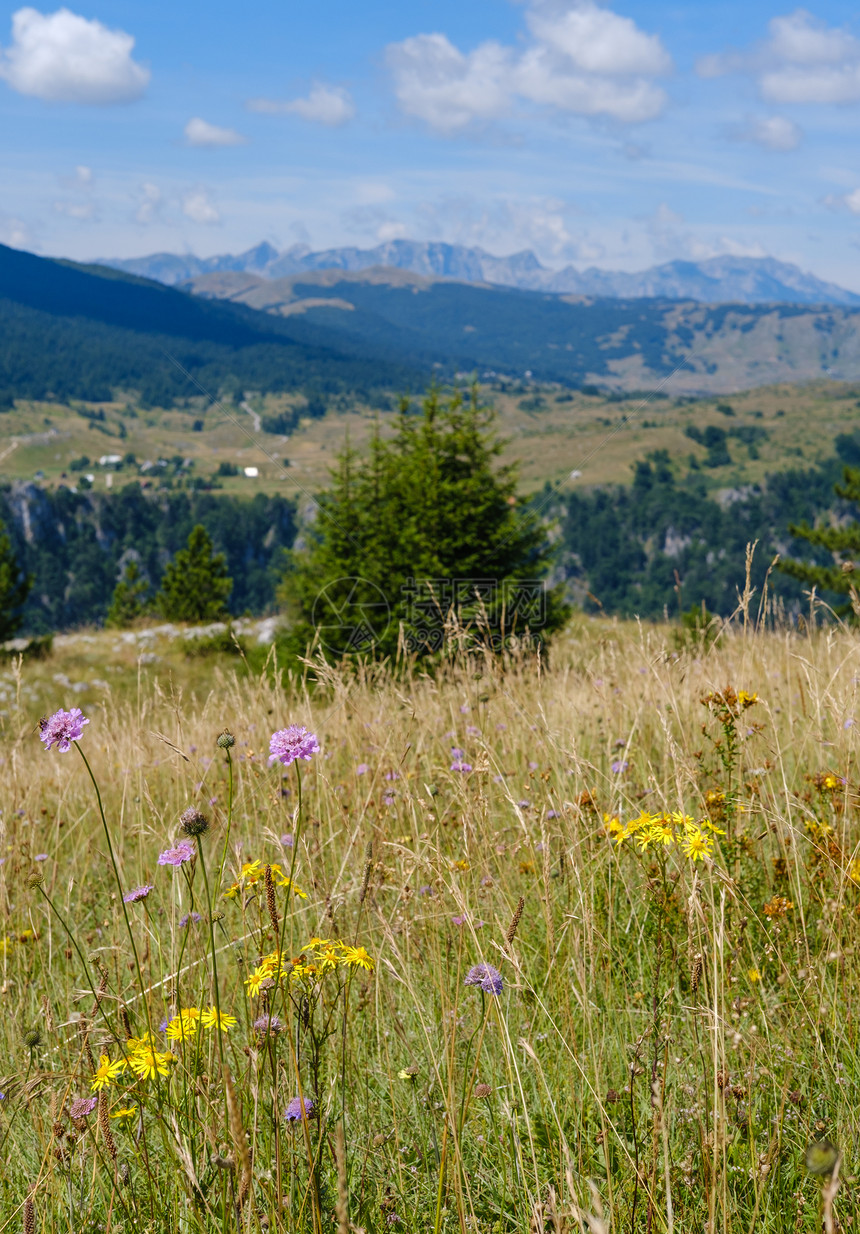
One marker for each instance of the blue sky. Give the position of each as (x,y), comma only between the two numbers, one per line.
(618,134)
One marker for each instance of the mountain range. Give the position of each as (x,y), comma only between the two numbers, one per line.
(718,280)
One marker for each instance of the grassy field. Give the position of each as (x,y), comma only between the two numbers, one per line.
(550,435)
(667,890)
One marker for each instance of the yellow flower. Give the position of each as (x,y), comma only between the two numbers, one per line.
(706,822)
(260,974)
(126,1113)
(251,871)
(358,957)
(753,974)
(297,891)
(696,845)
(747,700)
(660,831)
(183,1025)
(329,958)
(317,942)
(636,824)
(853,870)
(106,1072)
(213,1018)
(149,1063)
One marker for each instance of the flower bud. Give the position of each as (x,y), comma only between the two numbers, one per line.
(193,823)
(225,740)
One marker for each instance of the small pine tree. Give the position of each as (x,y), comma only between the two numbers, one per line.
(427,524)
(128,603)
(842,542)
(14,589)
(195,585)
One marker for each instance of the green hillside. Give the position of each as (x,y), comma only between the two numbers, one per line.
(681,347)
(68,331)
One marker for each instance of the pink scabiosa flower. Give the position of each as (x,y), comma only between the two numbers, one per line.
(487,977)
(288,744)
(62,728)
(137,893)
(299,1108)
(459,765)
(83,1106)
(183,852)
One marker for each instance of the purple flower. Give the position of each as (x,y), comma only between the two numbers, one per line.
(41,857)
(459,921)
(82,1107)
(459,765)
(362,769)
(192,917)
(473,730)
(533,766)
(392,775)
(426,890)
(183,852)
(268,1024)
(487,977)
(137,893)
(288,744)
(552,813)
(388,799)
(456,752)
(287,840)
(619,766)
(62,728)
(524,805)
(299,1108)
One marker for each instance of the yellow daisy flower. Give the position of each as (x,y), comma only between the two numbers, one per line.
(106,1072)
(213,1018)
(696,845)
(358,957)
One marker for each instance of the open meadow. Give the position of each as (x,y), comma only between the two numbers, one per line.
(541,946)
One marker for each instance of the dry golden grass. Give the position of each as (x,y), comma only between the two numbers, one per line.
(663,1052)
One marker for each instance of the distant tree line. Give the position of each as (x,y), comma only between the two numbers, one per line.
(76,547)
(660,545)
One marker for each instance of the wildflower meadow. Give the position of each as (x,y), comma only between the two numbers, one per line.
(512,945)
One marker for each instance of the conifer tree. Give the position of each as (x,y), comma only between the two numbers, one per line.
(128,603)
(842,542)
(429,523)
(195,585)
(14,589)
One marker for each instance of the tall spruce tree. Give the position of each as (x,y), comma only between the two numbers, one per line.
(14,589)
(428,525)
(843,542)
(195,585)
(128,603)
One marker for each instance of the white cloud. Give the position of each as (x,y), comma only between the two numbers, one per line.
(771,132)
(801,61)
(580,57)
(83,211)
(391,231)
(150,203)
(63,58)
(198,206)
(15,233)
(844,201)
(83,176)
(328,105)
(596,40)
(200,133)
(436,83)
